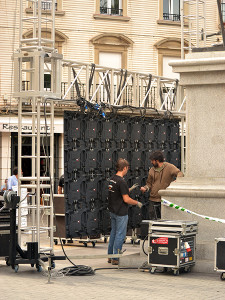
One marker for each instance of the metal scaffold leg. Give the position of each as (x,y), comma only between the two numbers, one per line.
(42,130)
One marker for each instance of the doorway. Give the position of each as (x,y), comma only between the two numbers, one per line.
(27,150)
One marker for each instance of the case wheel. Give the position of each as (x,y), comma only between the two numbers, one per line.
(187,269)
(222,276)
(152,270)
(39,268)
(7,262)
(16,268)
(176,272)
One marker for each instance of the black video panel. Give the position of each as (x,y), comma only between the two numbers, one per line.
(75,129)
(149,134)
(75,159)
(92,146)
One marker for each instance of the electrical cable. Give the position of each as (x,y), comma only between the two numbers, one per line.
(144,244)
(119,268)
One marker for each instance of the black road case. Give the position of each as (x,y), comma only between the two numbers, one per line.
(219,262)
(171,244)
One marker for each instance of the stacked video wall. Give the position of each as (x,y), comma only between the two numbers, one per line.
(92,145)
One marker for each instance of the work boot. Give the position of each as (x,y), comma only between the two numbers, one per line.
(109,260)
(115,261)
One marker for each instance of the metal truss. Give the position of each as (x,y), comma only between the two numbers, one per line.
(35,58)
(193,24)
(119,87)
(40,19)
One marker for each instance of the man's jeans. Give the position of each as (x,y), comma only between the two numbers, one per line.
(118,233)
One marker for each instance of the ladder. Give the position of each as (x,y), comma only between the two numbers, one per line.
(193,25)
(42,129)
(36,57)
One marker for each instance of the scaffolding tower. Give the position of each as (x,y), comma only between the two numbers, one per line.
(193,25)
(36,57)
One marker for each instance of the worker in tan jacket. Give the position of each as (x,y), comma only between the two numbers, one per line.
(159,178)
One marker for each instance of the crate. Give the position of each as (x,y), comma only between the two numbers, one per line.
(219,261)
(4,240)
(167,226)
(172,244)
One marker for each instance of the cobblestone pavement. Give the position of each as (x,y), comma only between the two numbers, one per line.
(106,283)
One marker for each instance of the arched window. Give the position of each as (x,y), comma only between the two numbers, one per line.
(109,48)
(168,49)
(60,37)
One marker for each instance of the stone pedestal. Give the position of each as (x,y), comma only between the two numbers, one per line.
(202,190)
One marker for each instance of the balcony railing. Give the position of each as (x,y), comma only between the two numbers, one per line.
(171,17)
(111,11)
(47,5)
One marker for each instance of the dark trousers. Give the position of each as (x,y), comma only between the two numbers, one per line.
(154,210)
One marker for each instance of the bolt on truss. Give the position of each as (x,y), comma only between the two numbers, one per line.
(193,25)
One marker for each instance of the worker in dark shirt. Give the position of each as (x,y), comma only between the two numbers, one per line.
(61,185)
(118,206)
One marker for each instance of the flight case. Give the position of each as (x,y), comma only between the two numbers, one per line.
(219,262)
(172,244)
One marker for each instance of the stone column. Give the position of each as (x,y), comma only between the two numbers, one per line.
(202,190)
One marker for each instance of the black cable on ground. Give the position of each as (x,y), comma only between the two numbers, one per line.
(124,268)
(144,244)
(79,270)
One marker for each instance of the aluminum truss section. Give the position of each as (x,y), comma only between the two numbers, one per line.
(37,104)
(99,84)
(43,17)
(193,25)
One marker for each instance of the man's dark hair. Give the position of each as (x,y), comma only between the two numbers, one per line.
(157,155)
(15,171)
(121,164)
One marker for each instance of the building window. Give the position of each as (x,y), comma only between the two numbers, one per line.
(110,47)
(111,7)
(47,5)
(168,49)
(223,10)
(171,10)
